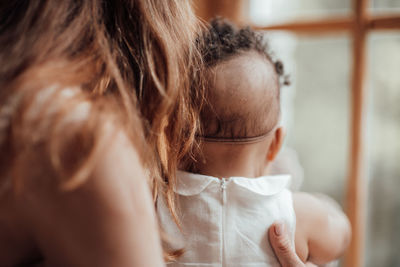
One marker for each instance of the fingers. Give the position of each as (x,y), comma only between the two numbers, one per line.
(284,251)
(309,264)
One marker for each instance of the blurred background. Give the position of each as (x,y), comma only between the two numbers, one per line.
(317,106)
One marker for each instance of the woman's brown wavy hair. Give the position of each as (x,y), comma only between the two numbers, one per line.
(130,59)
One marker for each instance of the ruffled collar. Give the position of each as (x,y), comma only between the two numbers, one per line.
(190,184)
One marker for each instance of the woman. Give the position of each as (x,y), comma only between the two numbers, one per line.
(88,93)
(281,244)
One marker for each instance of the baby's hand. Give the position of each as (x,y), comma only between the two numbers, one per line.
(280,242)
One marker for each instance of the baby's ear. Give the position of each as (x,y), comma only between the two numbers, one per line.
(276,143)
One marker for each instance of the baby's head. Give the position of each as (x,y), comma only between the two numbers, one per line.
(243,83)
(242,106)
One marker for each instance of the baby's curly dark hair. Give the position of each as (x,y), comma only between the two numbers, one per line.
(224,40)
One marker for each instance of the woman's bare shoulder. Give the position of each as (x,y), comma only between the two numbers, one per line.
(101,221)
(106,213)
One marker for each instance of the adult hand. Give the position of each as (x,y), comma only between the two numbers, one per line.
(279,239)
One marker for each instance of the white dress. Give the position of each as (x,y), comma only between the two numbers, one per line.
(225,221)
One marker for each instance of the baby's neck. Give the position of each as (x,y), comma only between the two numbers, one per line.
(222,160)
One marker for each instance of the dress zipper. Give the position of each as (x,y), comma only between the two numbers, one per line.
(223,187)
(223,191)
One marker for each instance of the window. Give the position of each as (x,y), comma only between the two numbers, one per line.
(346,82)
(383,224)
(373,117)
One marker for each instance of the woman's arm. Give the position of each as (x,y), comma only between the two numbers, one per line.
(107,221)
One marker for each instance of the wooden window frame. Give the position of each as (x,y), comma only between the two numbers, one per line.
(357,25)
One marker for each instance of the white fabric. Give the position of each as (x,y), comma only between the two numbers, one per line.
(225,221)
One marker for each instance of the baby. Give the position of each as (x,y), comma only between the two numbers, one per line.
(226,198)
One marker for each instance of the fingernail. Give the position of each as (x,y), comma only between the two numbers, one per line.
(278,229)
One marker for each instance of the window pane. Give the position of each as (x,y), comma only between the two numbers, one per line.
(385,6)
(316,108)
(264,12)
(383,235)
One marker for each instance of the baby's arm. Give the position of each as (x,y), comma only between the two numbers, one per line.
(322,230)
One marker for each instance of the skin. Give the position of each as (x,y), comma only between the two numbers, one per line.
(322,229)
(283,249)
(101,223)
(244,98)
